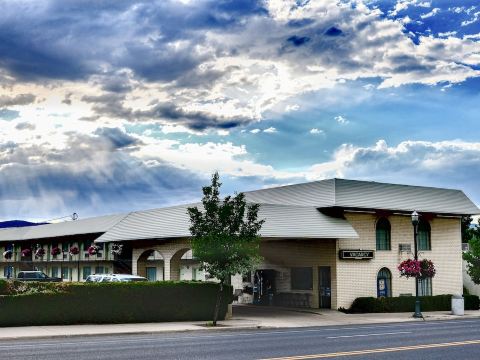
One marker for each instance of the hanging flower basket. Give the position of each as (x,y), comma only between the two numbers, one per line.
(40,253)
(116,249)
(26,252)
(55,251)
(8,254)
(417,268)
(74,251)
(428,269)
(93,249)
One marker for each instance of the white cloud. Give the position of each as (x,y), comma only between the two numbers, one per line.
(474,19)
(294,107)
(341,119)
(316,131)
(430,14)
(255,131)
(270,130)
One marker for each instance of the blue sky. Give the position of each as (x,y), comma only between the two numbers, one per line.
(116,105)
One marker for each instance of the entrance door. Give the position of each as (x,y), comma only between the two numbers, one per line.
(151,273)
(324,287)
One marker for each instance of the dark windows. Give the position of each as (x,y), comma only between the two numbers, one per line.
(423,236)
(383,231)
(302,278)
(87,270)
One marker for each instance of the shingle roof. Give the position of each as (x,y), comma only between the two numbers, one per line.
(281,221)
(85,226)
(368,195)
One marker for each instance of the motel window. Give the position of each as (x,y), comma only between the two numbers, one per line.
(87,270)
(8,272)
(302,278)
(54,271)
(425,287)
(383,231)
(99,270)
(423,235)
(65,273)
(86,245)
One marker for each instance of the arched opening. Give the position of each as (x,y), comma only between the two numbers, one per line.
(176,264)
(383,234)
(151,265)
(423,235)
(190,268)
(384,283)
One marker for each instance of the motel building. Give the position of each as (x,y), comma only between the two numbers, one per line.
(324,243)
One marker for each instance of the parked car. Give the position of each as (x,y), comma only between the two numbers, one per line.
(36,276)
(114,278)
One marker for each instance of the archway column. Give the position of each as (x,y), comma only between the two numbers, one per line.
(171,253)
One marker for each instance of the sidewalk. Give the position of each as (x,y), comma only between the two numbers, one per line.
(245,317)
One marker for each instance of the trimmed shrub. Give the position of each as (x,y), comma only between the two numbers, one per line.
(407,303)
(3,287)
(96,303)
(472,302)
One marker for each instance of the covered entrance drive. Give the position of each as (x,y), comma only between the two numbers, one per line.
(294,273)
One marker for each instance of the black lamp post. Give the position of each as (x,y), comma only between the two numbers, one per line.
(415,217)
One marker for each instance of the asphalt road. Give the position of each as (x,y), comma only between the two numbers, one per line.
(458,339)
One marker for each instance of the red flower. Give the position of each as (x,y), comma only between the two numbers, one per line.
(417,268)
(73,250)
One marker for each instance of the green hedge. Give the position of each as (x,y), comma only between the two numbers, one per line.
(407,303)
(90,303)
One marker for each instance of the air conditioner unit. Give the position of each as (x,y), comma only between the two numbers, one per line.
(405,247)
(465,247)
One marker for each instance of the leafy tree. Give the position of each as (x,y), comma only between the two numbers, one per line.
(225,235)
(467,232)
(472,257)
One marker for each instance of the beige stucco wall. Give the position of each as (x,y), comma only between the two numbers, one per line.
(356,278)
(282,255)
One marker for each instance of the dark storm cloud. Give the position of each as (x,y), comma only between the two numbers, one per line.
(59,39)
(333,31)
(117,137)
(25,126)
(21,99)
(298,40)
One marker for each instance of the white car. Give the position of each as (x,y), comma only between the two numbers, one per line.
(114,278)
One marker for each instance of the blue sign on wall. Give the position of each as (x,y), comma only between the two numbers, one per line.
(382,287)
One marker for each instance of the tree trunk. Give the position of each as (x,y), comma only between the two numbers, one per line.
(217,304)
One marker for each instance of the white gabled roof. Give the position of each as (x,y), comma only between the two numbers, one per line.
(281,221)
(85,226)
(368,195)
(290,212)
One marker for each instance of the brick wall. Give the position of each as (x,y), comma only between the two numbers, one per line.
(357,278)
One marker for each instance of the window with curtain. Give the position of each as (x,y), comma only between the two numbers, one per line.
(423,236)
(425,287)
(383,231)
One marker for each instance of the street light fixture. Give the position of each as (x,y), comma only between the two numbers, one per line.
(415,221)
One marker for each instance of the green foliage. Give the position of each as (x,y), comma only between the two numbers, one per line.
(467,232)
(472,257)
(81,303)
(225,233)
(3,287)
(407,303)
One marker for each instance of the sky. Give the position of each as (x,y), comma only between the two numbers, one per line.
(114,106)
